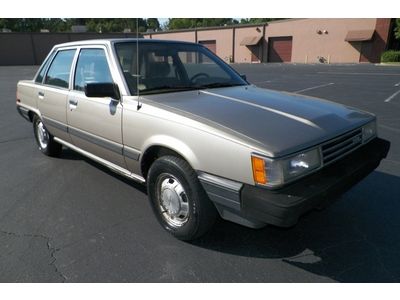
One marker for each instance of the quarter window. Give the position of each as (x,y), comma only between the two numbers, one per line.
(60,69)
(92,67)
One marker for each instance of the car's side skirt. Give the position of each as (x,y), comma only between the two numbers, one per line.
(102,161)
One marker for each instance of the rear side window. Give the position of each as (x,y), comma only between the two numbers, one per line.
(92,67)
(39,77)
(60,69)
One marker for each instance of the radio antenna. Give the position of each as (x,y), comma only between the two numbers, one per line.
(139,105)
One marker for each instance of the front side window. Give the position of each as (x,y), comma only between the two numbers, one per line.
(172,67)
(60,69)
(92,67)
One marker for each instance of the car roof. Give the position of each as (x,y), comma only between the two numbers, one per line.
(118,40)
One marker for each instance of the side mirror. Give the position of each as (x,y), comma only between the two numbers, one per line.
(100,89)
(244,77)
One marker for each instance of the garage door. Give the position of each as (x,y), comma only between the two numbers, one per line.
(280,49)
(212,45)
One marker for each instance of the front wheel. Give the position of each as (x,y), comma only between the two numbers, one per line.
(44,139)
(178,200)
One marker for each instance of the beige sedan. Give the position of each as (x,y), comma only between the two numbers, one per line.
(175,117)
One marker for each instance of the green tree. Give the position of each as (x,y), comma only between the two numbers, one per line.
(115,25)
(93,25)
(257,20)
(153,23)
(58,25)
(22,25)
(36,24)
(184,23)
(397,29)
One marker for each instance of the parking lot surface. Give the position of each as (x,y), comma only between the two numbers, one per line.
(68,219)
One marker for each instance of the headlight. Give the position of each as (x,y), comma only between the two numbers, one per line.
(369,131)
(276,172)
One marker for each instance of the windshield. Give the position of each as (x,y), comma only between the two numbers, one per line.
(172,67)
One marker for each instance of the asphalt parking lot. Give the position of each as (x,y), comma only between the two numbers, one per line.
(68,219)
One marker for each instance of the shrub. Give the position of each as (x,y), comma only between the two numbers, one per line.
(390,56)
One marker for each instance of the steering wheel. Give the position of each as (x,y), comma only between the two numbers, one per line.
(199,75)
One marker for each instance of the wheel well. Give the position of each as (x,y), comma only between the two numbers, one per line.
(31,114)
(154,152)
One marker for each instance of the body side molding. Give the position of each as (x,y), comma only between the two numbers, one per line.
(102,161)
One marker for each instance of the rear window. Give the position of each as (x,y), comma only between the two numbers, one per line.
(40,76)
(60,69)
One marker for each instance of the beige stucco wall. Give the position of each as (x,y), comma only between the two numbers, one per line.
(187,36)
(243,53)
(224,40)
(306,41)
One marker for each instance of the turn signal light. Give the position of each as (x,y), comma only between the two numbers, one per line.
(259,173)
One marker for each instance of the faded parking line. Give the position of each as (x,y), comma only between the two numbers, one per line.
(264,81)
(357,73)
(313,88)
(392,96)
(389,128)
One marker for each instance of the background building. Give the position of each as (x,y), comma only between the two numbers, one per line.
(290,40)
(293,40)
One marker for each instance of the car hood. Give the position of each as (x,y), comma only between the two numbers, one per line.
(281,123)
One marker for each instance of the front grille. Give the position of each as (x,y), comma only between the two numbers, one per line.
(341,146)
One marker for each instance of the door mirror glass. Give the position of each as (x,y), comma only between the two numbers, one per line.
(244,77)
(101,90)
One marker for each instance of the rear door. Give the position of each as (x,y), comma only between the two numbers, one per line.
(94,124)
(52,92)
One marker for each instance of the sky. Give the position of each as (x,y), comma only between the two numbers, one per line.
(162,20)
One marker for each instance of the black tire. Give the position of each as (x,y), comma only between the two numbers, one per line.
(201,213)
(51,147)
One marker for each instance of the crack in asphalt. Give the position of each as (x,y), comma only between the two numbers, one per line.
(102,231)
(377,251)
(15,139)
(50,248)
(351,268)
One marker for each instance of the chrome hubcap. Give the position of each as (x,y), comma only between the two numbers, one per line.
(172,200)
(43,135)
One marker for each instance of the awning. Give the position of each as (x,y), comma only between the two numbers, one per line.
(359,35)
(250,40)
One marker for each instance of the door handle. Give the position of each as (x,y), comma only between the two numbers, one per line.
(41,95)
(72,104)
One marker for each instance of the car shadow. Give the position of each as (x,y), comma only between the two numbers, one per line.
(73,155)
(357,239)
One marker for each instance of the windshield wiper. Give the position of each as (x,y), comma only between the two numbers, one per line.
(169,88)
(179,88)
(219,84)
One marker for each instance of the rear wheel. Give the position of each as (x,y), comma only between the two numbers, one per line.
(44,139)
(178,200)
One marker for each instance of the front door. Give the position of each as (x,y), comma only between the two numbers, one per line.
(94,124)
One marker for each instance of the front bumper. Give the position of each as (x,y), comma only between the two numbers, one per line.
(259,206)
